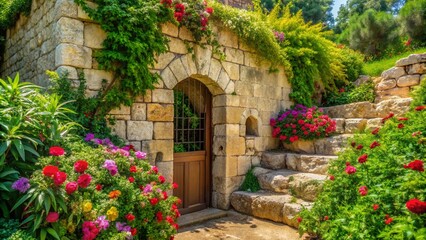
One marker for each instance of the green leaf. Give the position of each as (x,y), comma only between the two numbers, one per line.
(47,204)
(8,172)
(20,148)
(43,234)
(62,204)
(27,220)
(52,198)
(3,147)
(3,187)
(20,201)
(52,232)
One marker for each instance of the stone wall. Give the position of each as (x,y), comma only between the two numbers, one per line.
(30,44)
(400,80)
(243,4)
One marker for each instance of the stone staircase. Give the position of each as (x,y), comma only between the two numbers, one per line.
(292,178)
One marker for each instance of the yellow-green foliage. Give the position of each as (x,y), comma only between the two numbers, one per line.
(310,58)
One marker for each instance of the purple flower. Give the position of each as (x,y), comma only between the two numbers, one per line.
(97,141)
(102,223)
(122,227)
(147,188)
(22,185)
(110,166)
(140,155)
(106,141)
(89,137)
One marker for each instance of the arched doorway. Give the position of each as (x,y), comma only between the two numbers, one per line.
(192,144)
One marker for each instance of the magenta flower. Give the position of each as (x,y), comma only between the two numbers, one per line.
(140,155)
(350,169)
(110,166)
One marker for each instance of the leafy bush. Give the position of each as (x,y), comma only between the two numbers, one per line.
(353,62)
(8,227)
(413,18)
(351,94)
(419,94)
(301,122)
(376,187)
(250,183)
(102,192)
(30,122)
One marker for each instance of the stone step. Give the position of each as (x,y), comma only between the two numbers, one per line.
(282,208)
(305,186)
(368,110)
(298,162)
(324,146)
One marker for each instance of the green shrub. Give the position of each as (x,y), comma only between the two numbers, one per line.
(353,62)
(8,227)
(92,187)
(419,94)
(351,94)
(413,20)
(372,185)
(250,183)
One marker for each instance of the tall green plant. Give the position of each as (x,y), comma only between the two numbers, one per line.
(413,20)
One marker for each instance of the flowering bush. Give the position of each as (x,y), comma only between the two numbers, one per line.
(302,122)
(377,186)
(98,192)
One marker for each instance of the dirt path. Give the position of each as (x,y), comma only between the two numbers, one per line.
(238,226)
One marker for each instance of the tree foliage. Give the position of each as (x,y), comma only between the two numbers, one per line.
(373,32)
(413,20)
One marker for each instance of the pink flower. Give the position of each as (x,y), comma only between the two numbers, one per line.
(363,190)
(350,170)
(71,187)
(52,217)
(59,178)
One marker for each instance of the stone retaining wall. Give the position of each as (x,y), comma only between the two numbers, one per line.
(400,80)
(241,85)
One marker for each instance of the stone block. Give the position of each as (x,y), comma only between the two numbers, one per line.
(227,115)
(386,84)
(309,163)
(139,130)
(397,106)
(331,145)
(291,212)
(178,70)
(189,64)
(269,207)
(225,166)
(232,69)
(163,150)
(119,128)
(94,36)
(178,46)
(226,100)
(412,59)
(160,112)
(203,56)
(163,130)
(163,60)
(227,38)
(301,146)
(95,78)
(226,130)
(353,110)
(185,34)
(73,55)
(340,125)
(243,201)
(122,110)
(354,125)
(139,111)
(68,30)
(273,160)
(166,169)
(394,72)
(244,164)
(234,55)
(403,92)
(170,29)
(215,69)
(162,96)
(168,78)
(65,8)
(81,14)
(374,123)
(418,68)
(409,80)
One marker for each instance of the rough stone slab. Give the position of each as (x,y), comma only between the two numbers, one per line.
(419,68)
(394,72)
(409,80)
(331,145)
(412,59)
(242,201)
(354,125)
(94,36)
(301,146)
(374,123)
(273,160)
(292,210)
(73,55)
(397,106)
(139,130)
(340,125)
(386,84)
(270,206)
(308,163)
(352,110)
(200,216)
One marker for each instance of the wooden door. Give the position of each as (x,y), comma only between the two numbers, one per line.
(192,145)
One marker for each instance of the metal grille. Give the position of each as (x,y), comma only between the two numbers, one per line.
(189,116)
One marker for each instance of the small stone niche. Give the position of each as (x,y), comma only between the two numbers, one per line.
(252,129)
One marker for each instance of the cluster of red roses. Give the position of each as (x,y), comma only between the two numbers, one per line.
(181,14)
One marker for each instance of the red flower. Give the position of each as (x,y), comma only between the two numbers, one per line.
(59,178)
(402,119)
(175,185)
(133,169)
(71,187)
(363,190)
(325,218)
(84,180)
(299,219)
(388,221)
(154,169)
(400,125)
(347,163)
(416,165)
(375,207)
(209,10)
(161,179)
(374,144)
(159,216)
(363,158)
(168,3)
(179,7)
(50,171)
(131,179)
(164,195)
(387,117)
(415,134)
(341,90)
(52,217)
(56,151)
(332,178)
(98,187)
(350,170)
(80,166)
(375,131)
(130,217)
(178,16)
(359,147)
(420,108)
(416,206)
(134,231)
(153,201)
